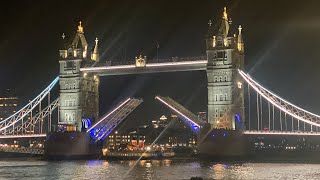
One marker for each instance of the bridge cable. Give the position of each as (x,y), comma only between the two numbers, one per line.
(285,121)
(280,121)
(249,107)
(273,116)
(258,110)
(261,124)
(269,114)
(292,129)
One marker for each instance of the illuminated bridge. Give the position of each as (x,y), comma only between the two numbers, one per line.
(154,66)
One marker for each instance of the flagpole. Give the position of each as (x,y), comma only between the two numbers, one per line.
(157,50)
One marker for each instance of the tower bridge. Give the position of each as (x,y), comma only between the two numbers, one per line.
(77,106)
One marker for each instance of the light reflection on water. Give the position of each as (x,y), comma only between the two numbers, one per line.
(155,169)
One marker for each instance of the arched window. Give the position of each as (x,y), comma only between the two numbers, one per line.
(74,85)
(221,97)
(215,79)
(225,97)
(216,97)
(220,78)
(225,78)
(67,86)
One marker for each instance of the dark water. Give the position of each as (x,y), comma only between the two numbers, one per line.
(155,169)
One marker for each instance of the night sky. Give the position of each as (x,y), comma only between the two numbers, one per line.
(282,46)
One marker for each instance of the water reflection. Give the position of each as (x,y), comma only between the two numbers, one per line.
(219,171)
(155,169)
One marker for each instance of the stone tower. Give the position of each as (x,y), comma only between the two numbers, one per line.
(225,54)
(79,92)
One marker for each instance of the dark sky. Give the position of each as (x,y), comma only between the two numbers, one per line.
(282,46)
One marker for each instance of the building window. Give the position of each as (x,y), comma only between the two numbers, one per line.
(216,97)
(221,97)
(74,85)
(225,96)
(220,79)
(221,54)
(225,78)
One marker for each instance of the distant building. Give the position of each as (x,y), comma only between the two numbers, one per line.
(125,141)
(8,104)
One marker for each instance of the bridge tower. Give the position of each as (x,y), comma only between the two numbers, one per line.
(79,92)
(225,54)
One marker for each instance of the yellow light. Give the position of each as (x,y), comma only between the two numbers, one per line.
(239,84)
(85,74)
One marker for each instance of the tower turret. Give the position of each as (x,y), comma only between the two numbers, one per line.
(95,54)
(240,43)
(79,92)
(225,96)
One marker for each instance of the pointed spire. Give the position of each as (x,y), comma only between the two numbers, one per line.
(80,42)
(240,40)
(80,28)
(95,53)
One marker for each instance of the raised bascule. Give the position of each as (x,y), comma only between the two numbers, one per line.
(80,128)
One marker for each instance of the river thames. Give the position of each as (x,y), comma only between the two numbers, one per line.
(154,169)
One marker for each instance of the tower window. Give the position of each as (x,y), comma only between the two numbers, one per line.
(221,54)
(69,65)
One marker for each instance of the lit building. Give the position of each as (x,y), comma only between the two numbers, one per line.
(225,54)
(79,92)
(8,105)
(123,141)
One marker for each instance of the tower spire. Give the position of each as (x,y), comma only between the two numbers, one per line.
(240,40)
(95,53)
(80,28)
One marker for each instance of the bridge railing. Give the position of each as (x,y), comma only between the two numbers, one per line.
(162,60)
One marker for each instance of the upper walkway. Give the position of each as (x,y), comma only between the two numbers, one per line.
(153,66)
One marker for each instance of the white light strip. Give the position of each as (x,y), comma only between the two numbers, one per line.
(272,102)
(281,133)
(40,97)
(157,97)
(102,119)
(249,77)
(22,136)
(147,65)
